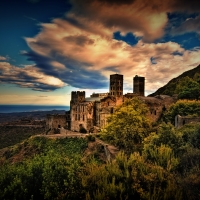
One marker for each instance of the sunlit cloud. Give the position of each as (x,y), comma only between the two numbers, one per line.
(85,59)
(28,77)
(79,49)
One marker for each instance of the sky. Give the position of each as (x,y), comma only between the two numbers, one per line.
(49,48)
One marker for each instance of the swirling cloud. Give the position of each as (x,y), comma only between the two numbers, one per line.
(28,77)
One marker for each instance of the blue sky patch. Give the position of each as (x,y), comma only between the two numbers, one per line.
(129,38)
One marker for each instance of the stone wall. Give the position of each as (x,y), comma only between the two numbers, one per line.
(157,105)
(55,121)
(181,120)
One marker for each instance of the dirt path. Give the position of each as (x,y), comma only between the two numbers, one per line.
(112,149)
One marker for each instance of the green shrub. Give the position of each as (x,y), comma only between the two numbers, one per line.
(91,138)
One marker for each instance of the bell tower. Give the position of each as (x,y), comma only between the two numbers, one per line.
(139,85)
(116,85)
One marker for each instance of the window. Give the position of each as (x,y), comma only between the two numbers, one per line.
(111,110)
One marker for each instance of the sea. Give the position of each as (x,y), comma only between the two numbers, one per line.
(30,108)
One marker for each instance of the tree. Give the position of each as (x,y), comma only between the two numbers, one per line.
(187,88)
(183,108)
(128,125)
(166,135)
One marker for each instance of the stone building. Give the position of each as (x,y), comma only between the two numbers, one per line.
(84,111)
(91,113)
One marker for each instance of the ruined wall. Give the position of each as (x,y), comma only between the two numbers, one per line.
(55,121)
(157,105)
(182,120)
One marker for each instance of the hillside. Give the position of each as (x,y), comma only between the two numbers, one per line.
(160,163)
(11,135)
(169,88)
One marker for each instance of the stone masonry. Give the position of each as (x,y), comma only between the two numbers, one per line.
(91,113)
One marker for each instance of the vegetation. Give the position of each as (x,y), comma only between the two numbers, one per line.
(128,126)
(10,135)
(160,163)
(186,86)
(50,170)
(183,108)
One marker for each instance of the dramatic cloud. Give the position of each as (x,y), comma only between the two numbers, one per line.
(29,77)
(79,49)
(84,56)
(146,19)
(138,17)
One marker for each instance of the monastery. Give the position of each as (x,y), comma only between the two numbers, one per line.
(90,114)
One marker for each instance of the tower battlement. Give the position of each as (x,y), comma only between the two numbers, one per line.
(77,96)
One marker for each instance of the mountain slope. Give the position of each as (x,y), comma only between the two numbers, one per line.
(169,88)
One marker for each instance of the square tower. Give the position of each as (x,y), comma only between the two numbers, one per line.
(116,85)
(77,96)
(138,85)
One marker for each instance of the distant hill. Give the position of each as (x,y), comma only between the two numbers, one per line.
(169,88)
